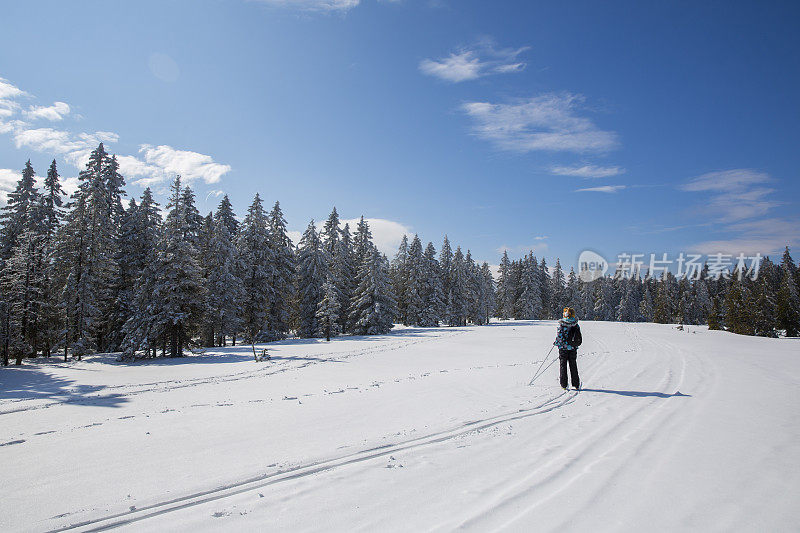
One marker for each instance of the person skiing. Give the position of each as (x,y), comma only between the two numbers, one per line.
(568,338)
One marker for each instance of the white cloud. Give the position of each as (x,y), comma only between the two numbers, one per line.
(455,68)
(313,5)
(767,236)
(481,59)
(157,163)
(55,112)
(59,141)
(386,234)
(8,182)
(545,122)
(8,91)
(604,188)
(587,171)
(735,195)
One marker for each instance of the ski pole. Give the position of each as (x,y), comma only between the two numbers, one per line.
(536,374)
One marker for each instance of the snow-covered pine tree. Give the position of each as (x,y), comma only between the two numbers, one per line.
(141,330)
(374,307)
(14,215)
(17,219)
(486,295)
(126,275)
(193,223)
(225,213)
(557,284)
(788,300)
(328,310)
(50,324)
(85,258)
(414,284)
(446,267)
(504,292)
(399,273)
(572,293)
(223,284)
(433,293)
(312,271)
(459,290)
(529,304)
(257,270)
(346,273)
(472,288)
(546,287)
(178,292)
(283,272)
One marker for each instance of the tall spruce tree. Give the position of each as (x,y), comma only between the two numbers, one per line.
(257,270)
(283,271)
(312,271)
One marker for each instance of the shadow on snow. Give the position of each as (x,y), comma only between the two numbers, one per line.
(640,394)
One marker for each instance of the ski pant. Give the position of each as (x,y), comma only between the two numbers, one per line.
(569,357)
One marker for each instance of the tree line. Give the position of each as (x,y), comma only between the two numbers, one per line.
(90,275)
(764,306)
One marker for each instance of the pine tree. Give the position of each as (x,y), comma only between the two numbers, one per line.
(433,292)
(328,311)
(346,269)
(178,292)
(312,271)
(505,294)
(283,271)
(14,215)
(788,301)
(414,284)
(374,306)
(557,284)
(399,274)
(486,295)
(529,303)
(257,270)
(223,285)
(458,290)
(546,287)
(446,266)
(85,254)
(227,216)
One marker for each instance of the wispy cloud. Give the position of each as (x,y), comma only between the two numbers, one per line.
(587,171)
(313,5)
(55,112)
(609,189)
(734,195)
(481,59)
(153,164)
(767,236)
(546,122)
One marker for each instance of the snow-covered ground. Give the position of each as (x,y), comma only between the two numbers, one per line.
(417,430)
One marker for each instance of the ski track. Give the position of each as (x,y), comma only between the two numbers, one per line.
(585,472)
(168,506)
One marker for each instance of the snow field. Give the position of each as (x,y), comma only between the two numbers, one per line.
(420,429)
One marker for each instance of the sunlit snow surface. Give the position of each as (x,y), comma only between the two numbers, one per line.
(417,430)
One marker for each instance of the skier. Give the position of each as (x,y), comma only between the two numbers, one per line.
(568,339)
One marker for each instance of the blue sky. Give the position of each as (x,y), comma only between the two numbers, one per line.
(552,126)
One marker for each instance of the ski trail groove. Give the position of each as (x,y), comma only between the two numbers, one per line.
(156,509)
